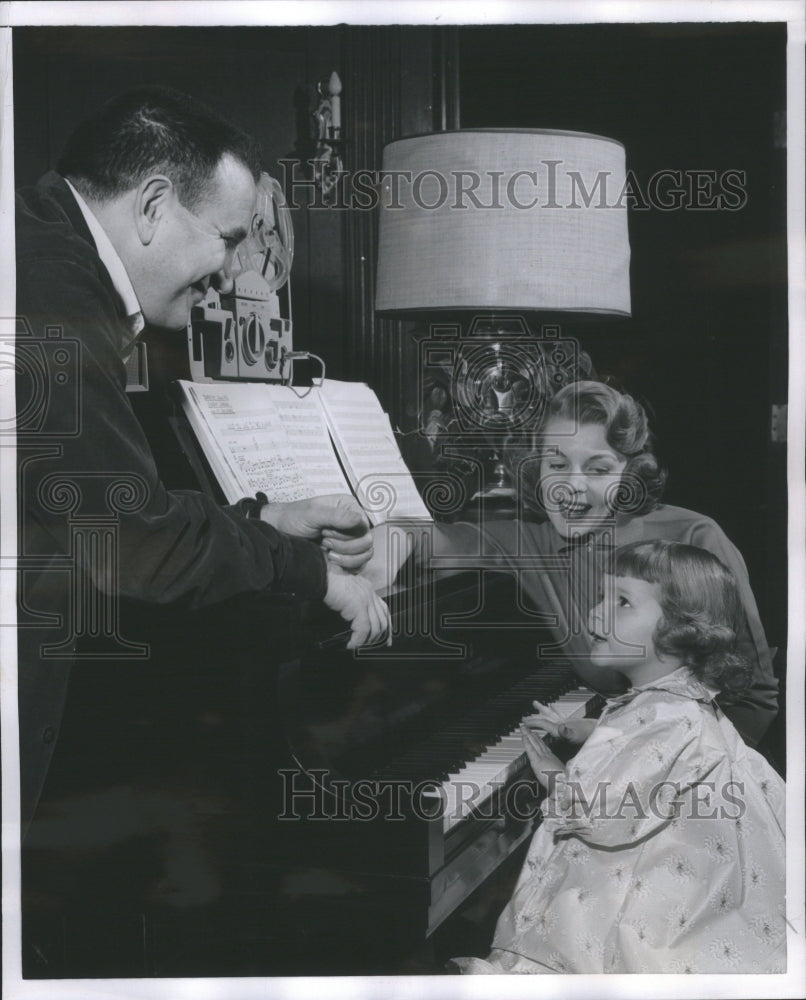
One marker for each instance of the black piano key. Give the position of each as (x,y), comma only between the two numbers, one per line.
(436,757)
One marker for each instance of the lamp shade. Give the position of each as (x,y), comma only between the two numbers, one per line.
(490,219)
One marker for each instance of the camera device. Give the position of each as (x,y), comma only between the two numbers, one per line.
(246,333)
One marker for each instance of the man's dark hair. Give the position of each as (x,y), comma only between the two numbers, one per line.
(153,130)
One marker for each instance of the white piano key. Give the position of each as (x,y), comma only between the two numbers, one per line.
(497,764)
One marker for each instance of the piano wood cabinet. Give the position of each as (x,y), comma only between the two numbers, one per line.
(270,789)
(406,745)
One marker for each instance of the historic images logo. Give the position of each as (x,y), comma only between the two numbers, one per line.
(666,190)
(317,795)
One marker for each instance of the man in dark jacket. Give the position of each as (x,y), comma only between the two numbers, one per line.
(151,199)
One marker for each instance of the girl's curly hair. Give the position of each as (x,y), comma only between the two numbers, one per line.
(702,608)
(626,431)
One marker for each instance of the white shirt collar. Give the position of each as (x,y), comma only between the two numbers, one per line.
(114,265)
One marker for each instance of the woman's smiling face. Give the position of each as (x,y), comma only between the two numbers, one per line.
(579,475)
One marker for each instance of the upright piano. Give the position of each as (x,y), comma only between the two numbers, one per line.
(312,809)
(408,784)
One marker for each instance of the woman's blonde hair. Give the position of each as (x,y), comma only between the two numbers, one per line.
(626,429)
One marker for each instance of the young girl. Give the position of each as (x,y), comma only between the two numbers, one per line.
(662,842)
(588,481)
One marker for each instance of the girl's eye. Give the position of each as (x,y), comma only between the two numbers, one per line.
(623,602)
(599,471)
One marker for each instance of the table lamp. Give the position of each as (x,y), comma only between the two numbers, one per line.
(489,238)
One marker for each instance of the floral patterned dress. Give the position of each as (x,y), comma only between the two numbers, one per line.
(661,850)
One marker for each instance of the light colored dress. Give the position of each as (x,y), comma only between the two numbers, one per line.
(661,850)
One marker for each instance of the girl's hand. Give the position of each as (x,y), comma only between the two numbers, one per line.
(544,763)
(547,722)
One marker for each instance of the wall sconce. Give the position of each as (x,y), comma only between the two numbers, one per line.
(327,163)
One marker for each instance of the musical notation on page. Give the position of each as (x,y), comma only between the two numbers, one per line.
(335,439)
(263,441)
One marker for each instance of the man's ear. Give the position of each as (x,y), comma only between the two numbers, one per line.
(151,201)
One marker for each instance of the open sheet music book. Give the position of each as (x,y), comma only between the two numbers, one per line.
(270,438)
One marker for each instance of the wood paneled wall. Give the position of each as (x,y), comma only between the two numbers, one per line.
(390,73)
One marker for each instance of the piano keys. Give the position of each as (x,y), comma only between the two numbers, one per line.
(498,764)
(413,752)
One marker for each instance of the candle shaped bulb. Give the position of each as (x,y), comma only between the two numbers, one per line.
(334,86)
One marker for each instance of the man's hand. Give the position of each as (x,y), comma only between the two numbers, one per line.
(335,521)
(356,601)
(544,762)
(547,722)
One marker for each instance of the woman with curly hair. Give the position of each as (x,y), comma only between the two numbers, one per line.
(588,481)
(648,859)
